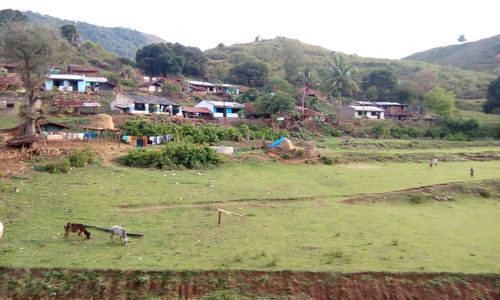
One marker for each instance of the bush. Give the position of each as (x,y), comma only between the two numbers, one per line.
(327,160)
(59,166)
(485,193)
(417,198)
(79,159)
(174,155)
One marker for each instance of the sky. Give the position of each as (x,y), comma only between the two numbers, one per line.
(371,28)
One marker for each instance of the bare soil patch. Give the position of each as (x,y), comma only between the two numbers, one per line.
(38,283)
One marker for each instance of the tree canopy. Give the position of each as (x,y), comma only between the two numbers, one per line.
(166,58)
(440,102)
(251,73)
(492,104)
(69,32)
(278,103)
(380,82)
(11,15)
(35,48)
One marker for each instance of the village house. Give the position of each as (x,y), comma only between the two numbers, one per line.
(78,79)
(107,87)
(196,112)
(77,105)
(222,109)
(209,87)
(138,104)
(352,112)
(83,70)
(150,87)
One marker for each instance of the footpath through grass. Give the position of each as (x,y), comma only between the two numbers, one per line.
(315,234)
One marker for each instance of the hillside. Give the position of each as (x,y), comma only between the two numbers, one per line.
(482,55)
(121,41)
(282,54)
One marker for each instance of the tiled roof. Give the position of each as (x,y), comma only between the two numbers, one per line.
(82,69)
(202,110)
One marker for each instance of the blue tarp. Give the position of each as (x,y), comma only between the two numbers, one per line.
(277,143)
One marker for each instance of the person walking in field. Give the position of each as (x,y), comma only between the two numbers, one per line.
(471,172)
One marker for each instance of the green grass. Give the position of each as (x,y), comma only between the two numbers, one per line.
(482,118)
(8,121)
(317,234)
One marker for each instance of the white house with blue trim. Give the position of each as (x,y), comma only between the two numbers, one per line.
(221,109)
(139,104)
(72,82)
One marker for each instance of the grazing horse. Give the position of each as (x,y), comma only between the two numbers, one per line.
(119,231)
(78,228)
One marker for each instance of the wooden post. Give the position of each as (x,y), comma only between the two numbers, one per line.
(220,211)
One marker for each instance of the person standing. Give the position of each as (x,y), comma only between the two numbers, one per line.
(471,172)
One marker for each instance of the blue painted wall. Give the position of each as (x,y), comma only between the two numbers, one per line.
(81,86)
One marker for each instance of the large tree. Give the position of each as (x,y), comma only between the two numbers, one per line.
(35,48)
(170,59)
(440,102)
(340,79)
(492,104)
(381,81)
(69,32)
(278,103)
(251,73)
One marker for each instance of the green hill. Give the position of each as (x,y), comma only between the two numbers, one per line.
(282,54)
(121,41)
(482,55)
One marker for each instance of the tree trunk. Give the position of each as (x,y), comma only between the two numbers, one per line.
(340,110)
(29,127)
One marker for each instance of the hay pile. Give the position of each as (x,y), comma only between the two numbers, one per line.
(102,121)
(286,145)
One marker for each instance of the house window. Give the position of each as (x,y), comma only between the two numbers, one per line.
(139,106)
(219,110)
(360,113)
(373,113)
(58,83)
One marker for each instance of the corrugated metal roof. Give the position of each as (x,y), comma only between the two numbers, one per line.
(226,104)
(151,100)
(366,108)
(202,83)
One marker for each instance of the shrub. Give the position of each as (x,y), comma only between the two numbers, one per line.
(80,159)
(174,155)
(59,166)
(327,160)
(485,193)
(417,198)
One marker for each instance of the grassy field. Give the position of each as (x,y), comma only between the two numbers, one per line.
(8,121)
(482,118)
(316,233)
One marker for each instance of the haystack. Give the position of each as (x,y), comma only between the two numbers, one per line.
(286,145)
(102,121)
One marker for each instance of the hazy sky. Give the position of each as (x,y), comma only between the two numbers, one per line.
(372,28)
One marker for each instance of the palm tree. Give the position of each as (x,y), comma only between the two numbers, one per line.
(309,80)
(341,79)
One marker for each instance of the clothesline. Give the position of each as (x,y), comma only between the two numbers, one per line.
(70,136)
(142,141)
